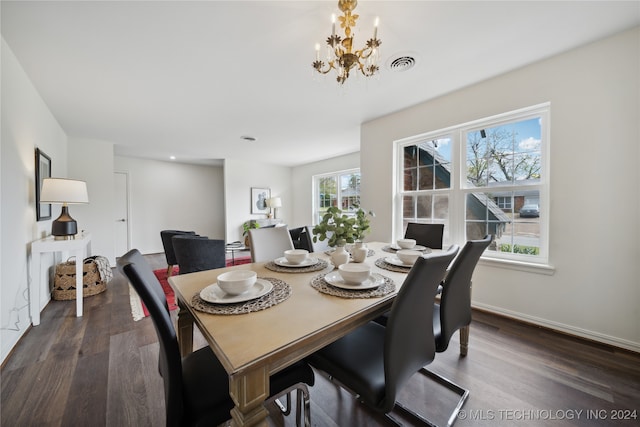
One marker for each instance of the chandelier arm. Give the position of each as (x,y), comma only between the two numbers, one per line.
(364,53)
(318,66)
(363,70)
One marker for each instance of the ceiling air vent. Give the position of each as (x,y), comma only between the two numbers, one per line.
(402,63)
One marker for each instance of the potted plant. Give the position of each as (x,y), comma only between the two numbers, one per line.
(335,227)
(246,226)
(362,227)
(340,229)
(363,224)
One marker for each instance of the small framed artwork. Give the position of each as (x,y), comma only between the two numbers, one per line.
(259,198)
(43,170)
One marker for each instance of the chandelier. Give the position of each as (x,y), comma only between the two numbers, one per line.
(340,54)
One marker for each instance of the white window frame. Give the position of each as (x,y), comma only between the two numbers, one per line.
(459,188)
(315,195)
(504,200)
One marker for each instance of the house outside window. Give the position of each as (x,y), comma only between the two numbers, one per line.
(485,177)
(340,189)
(503,203)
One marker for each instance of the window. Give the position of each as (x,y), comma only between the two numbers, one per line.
(503,203)
(426,182)
(485,177)
(341,189)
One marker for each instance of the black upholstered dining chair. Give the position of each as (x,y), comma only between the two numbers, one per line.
(196,387)
(166,236)
(375,362)
(429,235)
(454,310)
(198,253)
(301,238)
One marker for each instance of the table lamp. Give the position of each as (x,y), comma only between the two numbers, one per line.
(274,203)
(66,192)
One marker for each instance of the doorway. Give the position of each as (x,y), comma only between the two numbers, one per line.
(121,212)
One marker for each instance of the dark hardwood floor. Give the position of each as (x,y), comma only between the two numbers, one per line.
(101,370)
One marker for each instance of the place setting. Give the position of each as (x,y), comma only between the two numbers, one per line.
(353,280)
(240,291)
(296,261)
(405,244)
(401,261)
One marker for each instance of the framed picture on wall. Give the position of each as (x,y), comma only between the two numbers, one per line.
(259,198)
(43,170)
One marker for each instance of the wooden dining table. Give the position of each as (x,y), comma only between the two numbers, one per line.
(253,346)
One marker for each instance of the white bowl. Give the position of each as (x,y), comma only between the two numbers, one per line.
(408,256)
(406,243)
(354,274)
(296,256)
(237,282)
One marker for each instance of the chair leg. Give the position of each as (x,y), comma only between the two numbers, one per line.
(464,340)
(462,392)
(303,404)
(285,409)
(303,399)
(169,270)
(408,411)
(416,416)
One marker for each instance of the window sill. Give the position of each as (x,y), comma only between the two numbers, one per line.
(510,264)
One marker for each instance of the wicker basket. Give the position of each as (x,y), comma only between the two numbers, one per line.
(65,281)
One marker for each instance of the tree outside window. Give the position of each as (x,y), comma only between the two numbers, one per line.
(339,189)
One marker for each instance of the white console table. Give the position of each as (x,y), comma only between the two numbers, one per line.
(80,247)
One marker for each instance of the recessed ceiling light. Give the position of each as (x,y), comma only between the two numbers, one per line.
(172,157)
(248,138)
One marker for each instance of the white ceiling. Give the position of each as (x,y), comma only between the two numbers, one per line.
(160,78)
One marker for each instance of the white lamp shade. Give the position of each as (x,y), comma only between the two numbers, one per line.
(61,190)
(274,202)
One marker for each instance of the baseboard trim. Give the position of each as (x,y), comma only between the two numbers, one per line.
(560,327)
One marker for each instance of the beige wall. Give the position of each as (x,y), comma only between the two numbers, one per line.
(27,123)
(594,93)
(242,174)
(92,161)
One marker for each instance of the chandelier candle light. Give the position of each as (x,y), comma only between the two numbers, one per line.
(340,54)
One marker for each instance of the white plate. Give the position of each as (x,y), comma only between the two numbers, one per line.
(282,262)
(415,248)
(336,280)
(214,294)
(394,260)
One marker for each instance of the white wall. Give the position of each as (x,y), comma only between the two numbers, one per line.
(172,196)
(26,124)
(595,210)
(302,184)
(92,161)
(242,174)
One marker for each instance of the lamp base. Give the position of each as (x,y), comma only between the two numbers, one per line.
(64,227)
(72,237)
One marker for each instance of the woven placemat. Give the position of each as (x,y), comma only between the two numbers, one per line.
(321,265)
(281,291)
(318,283)
(380,262)
(391,250)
